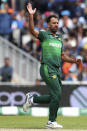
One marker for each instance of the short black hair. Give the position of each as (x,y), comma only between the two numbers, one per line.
(51,16)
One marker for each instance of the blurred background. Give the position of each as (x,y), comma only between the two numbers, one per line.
(20,52)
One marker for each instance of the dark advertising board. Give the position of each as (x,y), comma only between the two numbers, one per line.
(72,95)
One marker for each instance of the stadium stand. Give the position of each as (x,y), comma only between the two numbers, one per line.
(72,18)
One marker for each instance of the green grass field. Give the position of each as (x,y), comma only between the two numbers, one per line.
(40,122)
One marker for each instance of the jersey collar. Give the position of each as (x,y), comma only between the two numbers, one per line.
(49,33)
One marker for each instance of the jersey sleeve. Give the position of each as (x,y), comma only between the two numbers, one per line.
(41,35)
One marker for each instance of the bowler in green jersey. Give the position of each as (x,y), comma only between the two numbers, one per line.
(52,54)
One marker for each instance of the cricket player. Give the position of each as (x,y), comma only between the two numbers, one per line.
(52,54)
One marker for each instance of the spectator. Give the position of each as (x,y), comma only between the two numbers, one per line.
(83,42)
(14,24)
(7,8)
(84,72)
(72,40)
(79,31)
(38,82)
(72,75)
(15,4)
(78,10)
(66,21)
(5,24)
(21,18)
(6,71)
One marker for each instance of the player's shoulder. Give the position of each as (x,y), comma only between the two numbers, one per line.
(42,31)
(42,35)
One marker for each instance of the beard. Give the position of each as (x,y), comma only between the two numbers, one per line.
(54,30)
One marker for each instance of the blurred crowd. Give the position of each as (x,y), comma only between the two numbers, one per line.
(14,26)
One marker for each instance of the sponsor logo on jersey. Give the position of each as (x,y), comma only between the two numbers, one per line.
(55,45)
(54,76)
(59,39)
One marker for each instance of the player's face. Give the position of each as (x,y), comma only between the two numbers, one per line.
(7,62)
(53,25)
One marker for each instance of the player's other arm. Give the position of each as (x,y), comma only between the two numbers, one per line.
(66,58)
(31,21)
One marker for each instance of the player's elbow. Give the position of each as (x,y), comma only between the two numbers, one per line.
(34,33)
(31,31)
(63,56)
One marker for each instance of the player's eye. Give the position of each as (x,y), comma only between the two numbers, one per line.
(54,23)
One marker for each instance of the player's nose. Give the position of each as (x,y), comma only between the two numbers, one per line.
(56,24)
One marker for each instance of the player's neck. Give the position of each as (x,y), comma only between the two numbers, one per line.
(53,33)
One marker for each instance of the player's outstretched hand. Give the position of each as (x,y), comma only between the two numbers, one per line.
(79,63)
(30,10)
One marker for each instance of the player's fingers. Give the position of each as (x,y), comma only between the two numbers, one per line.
(34,10)
(30,6)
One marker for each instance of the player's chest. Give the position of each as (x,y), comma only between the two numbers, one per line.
(54,42)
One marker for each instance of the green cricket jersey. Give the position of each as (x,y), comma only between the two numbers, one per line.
(51,48)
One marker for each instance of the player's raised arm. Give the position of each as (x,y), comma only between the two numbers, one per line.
(31,21)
